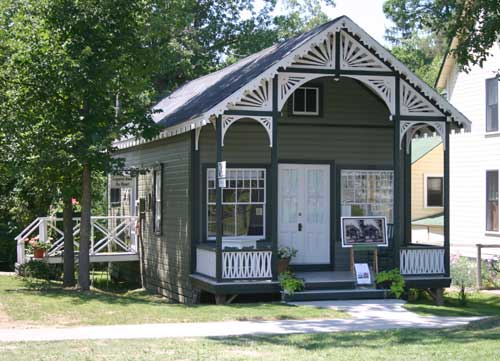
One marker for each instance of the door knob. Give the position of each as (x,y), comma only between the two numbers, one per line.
(300,227)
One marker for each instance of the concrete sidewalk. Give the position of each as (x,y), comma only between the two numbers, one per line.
(366,315)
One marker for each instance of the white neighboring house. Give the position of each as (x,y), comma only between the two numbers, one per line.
(475,159)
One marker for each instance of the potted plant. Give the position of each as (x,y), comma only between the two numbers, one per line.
(37,247)
(285,254)
(391,280)
(289,283)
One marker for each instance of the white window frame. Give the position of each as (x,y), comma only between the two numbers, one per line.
(493,131)
(491,232)
(264,204)
(305,88)
(426,176)
(157,200)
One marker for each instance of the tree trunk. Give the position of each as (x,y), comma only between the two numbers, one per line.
(69,250)
(85,230)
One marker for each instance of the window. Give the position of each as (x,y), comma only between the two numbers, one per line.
(243,203)
(157,196)
(306,101)
(492,105)
(433,191)
(492,200)
(115,197)
(367,193)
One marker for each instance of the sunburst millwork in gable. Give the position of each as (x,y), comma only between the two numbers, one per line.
(266,122)
(411,127)
(413,103)
(289,82)
(383,86)
(320,55)
(354,56)
(255,99)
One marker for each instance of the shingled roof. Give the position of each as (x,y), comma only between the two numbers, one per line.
(198,96)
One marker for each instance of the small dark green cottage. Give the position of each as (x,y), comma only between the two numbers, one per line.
(312,129)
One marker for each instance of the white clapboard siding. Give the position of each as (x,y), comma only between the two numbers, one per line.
(422,261)
(471,155)
(246,264)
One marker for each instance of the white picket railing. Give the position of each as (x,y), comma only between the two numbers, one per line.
(113,234)
(421,261)
(246,264)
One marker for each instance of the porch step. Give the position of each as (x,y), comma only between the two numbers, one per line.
(327,280)
(335,294)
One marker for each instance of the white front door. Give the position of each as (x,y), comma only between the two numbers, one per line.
(304,211)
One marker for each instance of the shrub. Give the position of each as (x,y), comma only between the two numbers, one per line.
(462,275)
(289,283)
(41,270)
(393,280)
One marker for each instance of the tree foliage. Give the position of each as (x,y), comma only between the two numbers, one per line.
(475,24)
(75,75)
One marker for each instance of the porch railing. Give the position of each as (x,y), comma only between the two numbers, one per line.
(422,261)
(236,264)
(246,264)
(108,234)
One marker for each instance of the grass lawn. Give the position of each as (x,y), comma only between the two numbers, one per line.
(478,304)
(478,341)
(49,305)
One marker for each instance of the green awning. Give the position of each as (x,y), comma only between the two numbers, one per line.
(422,146)
(432,221)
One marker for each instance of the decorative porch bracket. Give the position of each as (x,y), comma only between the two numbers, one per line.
(266,122)
(411,127)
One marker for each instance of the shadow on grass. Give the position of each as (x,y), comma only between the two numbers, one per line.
(52,289)
(477,305)
(487,329)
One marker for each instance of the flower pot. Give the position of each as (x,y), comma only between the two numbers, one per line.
(282,265)
(39,253)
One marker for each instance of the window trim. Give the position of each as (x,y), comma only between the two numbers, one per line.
(426,192)
(497,130)
(206,203)
(318,103)
(157,229)
(486,201)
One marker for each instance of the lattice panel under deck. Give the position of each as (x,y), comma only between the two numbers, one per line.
(246,265)
(422,261)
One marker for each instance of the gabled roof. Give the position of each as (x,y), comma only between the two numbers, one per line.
(423,145)
(200,95)
(195,103)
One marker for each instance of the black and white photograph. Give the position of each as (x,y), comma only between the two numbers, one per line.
(364,231)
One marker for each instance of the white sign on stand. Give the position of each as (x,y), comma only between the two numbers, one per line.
(363,276)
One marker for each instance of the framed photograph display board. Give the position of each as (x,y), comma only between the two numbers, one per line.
(364,231)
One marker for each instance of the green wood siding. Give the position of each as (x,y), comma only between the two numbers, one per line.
(167,257)
(354,129)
